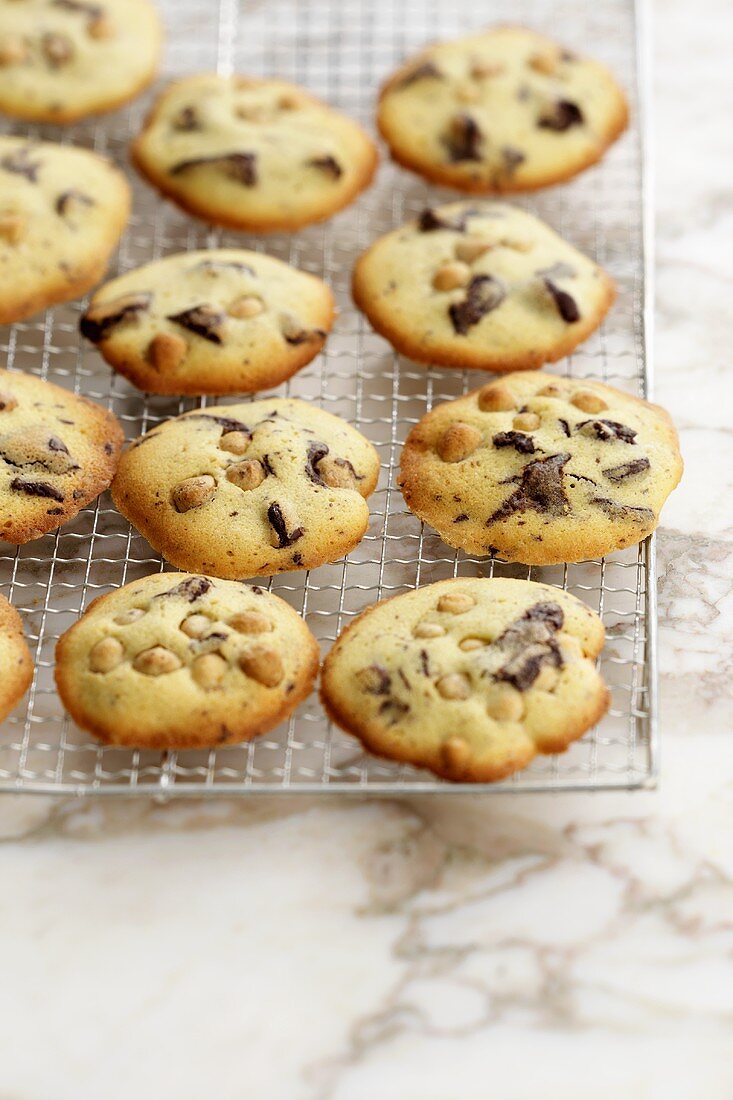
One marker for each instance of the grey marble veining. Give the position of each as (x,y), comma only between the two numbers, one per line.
(561,946)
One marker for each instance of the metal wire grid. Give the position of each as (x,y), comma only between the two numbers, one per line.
(341,50)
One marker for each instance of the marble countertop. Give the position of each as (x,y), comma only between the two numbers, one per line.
(569,945)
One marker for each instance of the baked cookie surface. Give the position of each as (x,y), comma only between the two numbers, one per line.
(541,470)
(480,285)
(503,110)
(216,321)
(175,661)
(250,489)
(61,60)
(62,211)
(470,677)
(16,665)
(260,155)
(57,453)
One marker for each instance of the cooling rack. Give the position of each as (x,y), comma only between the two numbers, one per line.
(341,49)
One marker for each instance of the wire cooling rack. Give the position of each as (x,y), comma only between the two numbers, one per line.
(341,49)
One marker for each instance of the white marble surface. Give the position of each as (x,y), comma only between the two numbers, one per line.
(533,946)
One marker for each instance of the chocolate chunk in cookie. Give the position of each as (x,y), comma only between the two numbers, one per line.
(541,483)
(483,294)
(195,663)
(240,167)
(541,489)
(628,469)
(285,524)
(480,285)
(63,211)
(63,60)
(253,154)
(464,139)
(99,320)
(328,165)
(472,694)
(501,110)
(567,307)
(57,453)
(284,490)
(204,320)
(560,116)
(210,322)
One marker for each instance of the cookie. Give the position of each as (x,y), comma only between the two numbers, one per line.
(61,60)
(260,155)
(541,470)
(16,666)
(470,677)
(62,212)
(481,285)
(503,110)
(218,321)
(175,661)
(57,453)
(251,489)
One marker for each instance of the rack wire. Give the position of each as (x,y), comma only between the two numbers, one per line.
(341,49)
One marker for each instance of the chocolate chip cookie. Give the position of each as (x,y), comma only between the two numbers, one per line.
(503,110)
(541,470)
(175,661)
(57,453)
(62,211)
(219,321)
(251,489)
(16,665)
(61,60)
(259,155)
(470,678)
(483,285)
